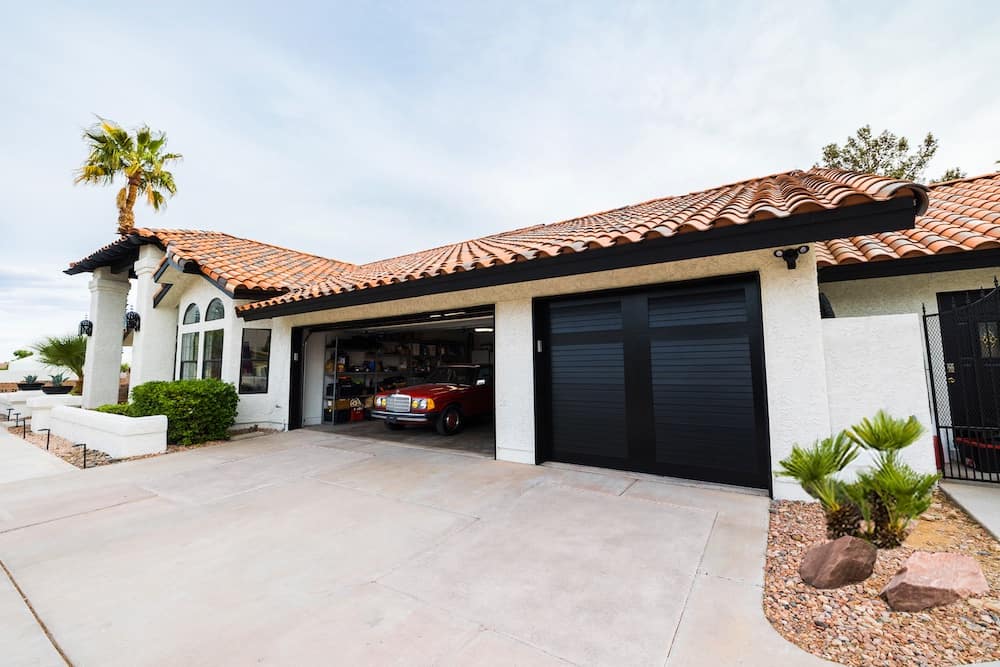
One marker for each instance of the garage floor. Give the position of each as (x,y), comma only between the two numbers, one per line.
(312,548)
(477,437)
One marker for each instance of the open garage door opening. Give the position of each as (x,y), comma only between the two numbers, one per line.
(423,380)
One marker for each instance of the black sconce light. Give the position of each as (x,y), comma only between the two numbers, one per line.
(86,327)
(791,255)
(131,320)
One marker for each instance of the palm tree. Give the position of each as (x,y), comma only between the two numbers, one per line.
(64,352)
(136,157)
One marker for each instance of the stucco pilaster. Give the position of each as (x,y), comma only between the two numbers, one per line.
(153,345)
(102,368)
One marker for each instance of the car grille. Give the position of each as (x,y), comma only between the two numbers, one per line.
(398,403)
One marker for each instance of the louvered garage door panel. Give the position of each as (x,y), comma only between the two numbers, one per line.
(664,381)
(588,378)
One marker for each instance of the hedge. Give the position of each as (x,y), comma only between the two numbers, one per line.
(197,410)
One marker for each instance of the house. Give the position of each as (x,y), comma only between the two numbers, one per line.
(680,336)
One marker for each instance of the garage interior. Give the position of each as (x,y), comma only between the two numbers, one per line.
(347,364)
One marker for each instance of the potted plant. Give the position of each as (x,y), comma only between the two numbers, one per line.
(29,383)
(65,352)
(57,385)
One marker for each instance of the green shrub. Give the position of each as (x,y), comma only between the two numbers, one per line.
(882,502)
(196,410)
(115,409)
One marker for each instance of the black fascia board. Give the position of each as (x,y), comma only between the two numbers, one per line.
(955,261)
(894,214)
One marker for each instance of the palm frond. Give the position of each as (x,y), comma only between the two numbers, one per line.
(813,466)
(883,433)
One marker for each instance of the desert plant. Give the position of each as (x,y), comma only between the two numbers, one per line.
(881,503)
(57,379)
(65,352)
(30,379)
(138,157)
(814,469)
(883,433)
(22,354)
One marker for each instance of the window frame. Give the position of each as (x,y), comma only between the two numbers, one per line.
(192,362)
(187,311)
(216,362)
(208,310)
(244,360)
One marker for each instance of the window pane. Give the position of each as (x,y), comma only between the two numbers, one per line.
(191,315)
(256,352)
(211,358)
(189,356)
(215,310)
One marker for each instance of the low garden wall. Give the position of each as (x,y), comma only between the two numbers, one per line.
(41,408)
(874,363)
(18,401)
(116,435)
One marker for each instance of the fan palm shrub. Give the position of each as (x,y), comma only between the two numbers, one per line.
(67,352)
(881,503)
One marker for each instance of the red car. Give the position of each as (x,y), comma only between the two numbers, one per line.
(452,394)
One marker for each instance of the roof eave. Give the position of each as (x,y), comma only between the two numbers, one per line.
(893,214)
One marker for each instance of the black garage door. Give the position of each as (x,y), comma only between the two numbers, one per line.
(666,380)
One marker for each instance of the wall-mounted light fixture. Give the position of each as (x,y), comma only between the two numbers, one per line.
(483,330)
(791,255)
(86,327)
(131,320)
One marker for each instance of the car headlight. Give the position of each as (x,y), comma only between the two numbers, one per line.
(380,401)
(422,404)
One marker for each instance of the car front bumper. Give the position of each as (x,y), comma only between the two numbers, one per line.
(404,417)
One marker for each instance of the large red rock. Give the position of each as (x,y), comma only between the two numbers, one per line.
(846,560)
(934,579)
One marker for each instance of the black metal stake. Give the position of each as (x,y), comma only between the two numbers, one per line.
(84,445)
(48,435)
(24,428)
(9,410)
(17,419)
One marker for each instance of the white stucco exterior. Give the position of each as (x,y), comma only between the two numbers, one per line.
(795,365)
(153,344)
(874,363)
(116,435)
(102,368)
(41,408)
(902,294)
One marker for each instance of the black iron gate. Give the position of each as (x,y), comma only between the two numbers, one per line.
(963,354)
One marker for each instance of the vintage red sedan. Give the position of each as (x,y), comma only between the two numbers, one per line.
(452,394)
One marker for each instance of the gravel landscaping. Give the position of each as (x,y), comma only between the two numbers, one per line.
(65,450)
(853,625)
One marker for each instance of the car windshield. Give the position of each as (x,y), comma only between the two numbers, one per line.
(453,375)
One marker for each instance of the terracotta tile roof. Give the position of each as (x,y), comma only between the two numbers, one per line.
(233,263)
(746,202)
(961,215)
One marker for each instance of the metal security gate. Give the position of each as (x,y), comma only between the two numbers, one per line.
(663,380)
(963,353)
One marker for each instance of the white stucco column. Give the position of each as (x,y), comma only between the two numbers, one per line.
(514,381)
(798,407)
(101,370)
(153,345)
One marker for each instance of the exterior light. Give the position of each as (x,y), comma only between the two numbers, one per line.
(132,320)
(483,330)
(791,255)
(86,327)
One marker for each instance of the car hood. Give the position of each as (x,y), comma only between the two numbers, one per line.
(430,390)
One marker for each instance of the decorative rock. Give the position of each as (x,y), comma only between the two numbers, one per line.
(846,560)
(934,579)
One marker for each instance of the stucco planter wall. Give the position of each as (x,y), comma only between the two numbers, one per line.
(18,401)
(116,435)
(41,408)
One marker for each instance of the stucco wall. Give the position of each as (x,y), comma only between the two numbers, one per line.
(901,294)
(876,363)
(796,373)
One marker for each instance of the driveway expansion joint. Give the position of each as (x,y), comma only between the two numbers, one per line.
(34,614)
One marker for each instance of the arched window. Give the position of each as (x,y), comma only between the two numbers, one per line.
(215,310)
(192,315)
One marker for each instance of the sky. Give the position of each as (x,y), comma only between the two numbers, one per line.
(362,131)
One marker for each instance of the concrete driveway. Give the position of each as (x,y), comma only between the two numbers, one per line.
(311,548)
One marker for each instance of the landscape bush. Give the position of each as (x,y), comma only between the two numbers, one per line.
(197,410)
(115,409)
(880,504)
